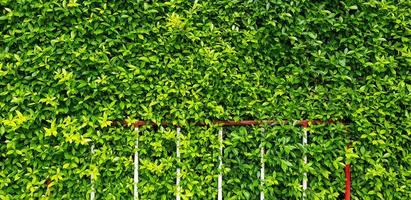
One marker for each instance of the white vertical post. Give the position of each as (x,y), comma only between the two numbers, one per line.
(220,166)
(92,193)
(136,166)
(305,178)
(178,169)
(262,170)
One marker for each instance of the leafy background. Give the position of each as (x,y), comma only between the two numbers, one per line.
(67,68)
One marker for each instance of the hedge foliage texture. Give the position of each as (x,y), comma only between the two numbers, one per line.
(70,67)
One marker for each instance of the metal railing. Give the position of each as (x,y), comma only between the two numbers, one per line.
(303,123)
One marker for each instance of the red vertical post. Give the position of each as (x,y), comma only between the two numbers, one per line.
(347,182)
(347,195)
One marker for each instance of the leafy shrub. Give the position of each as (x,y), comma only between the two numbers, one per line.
(69,68)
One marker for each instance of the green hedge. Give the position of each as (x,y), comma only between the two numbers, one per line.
(69,67)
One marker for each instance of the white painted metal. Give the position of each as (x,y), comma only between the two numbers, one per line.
(136,166)
(262,170)
(220,166)
(178,169)
(92,193)
(305,179)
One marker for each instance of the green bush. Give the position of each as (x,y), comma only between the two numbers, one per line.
(69,68)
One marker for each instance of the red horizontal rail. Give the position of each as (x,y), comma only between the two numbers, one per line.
(303,123)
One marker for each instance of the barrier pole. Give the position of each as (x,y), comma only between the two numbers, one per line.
(178,168)
(92,193)
(347,195)
(347,182)
(262,170)
(136,166)
(305,141)
(220,166)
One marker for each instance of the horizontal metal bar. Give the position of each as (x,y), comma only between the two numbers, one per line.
(303,123)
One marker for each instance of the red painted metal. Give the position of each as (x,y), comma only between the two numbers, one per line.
(303,123)
(347,182)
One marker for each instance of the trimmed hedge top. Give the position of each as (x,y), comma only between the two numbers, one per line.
(69,67)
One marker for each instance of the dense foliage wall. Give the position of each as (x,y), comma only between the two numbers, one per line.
(69,67)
